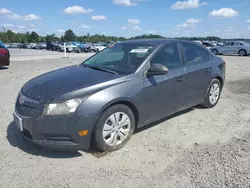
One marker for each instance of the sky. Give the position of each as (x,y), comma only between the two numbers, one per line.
(170,18)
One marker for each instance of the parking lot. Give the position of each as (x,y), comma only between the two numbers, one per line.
(194,148)
(32,54)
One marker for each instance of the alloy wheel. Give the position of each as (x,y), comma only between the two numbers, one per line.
(214,93)
(242,53)
(116,129)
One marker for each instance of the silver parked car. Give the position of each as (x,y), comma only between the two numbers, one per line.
(236,47)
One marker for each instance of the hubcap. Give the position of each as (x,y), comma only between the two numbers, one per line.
(242,53)
(116,128)
(214,93)
(215,52)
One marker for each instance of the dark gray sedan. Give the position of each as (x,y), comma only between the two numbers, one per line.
(129,85)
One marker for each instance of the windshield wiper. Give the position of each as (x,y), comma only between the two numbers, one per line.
(100,69)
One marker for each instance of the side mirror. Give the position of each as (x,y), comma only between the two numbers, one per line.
(157,69)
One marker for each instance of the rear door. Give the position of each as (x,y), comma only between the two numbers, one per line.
(198,66)
(227,48)
(237,47)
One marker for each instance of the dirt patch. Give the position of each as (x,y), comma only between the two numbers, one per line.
(219,165)
(239,86)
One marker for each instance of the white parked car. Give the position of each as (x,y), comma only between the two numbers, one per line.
(97,47)
(69,47)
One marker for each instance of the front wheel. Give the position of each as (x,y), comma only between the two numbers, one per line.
(213,94)
(114,128)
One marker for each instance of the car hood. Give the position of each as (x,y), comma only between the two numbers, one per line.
(55,84)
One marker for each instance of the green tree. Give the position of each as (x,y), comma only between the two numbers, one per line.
(69,35)
(34,37)
(50,37)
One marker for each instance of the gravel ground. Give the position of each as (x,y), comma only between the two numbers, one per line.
(194,148)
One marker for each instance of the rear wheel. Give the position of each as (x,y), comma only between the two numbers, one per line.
(215,51)
(242,53)
(213,94)
(114,128)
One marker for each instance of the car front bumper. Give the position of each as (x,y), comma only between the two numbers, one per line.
(52,132)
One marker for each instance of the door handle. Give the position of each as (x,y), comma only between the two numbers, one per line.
(180,78)
(207,70)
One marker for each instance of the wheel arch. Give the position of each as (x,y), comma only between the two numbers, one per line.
(124,102)
(112,103)
(243,50)
(221,80)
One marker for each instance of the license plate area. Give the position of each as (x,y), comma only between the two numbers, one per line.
(19,122)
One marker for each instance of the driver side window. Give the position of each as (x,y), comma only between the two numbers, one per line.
(228,44)
(168,56)
(114,56)
(109,55)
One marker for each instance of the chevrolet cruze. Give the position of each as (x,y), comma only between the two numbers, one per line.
(124,87)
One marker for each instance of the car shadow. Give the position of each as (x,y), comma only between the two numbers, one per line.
(148,126)
(16,139)
(3,68)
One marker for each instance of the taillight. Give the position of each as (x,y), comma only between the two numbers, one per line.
(4,51)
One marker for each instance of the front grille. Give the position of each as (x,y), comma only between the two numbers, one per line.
(24,110)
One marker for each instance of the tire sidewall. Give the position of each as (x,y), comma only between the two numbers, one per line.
(215,51)
(243,51)
(207,101)
(100,143)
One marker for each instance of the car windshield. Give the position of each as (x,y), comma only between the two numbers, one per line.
(122,58)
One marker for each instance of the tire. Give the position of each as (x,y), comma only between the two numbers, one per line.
(242,53)
(111,139)
(215,51)
(209,103)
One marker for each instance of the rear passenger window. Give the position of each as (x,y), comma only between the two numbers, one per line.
(194,54)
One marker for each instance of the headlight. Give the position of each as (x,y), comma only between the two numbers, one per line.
(66,107)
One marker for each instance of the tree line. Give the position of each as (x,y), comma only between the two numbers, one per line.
(8,36)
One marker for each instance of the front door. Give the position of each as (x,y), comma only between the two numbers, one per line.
(164,94)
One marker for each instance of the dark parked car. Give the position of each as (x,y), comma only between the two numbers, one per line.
(22,46)
(117,90)
(4,55)
(54,46)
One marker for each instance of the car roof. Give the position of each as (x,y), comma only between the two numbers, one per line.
(153,41)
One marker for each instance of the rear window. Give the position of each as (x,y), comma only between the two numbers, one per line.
(195,54)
